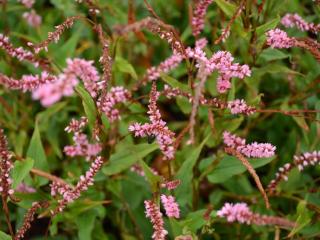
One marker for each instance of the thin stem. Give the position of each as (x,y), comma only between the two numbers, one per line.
(251,170)
(7,215)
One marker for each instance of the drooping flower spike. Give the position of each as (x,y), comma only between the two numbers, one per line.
(294,20)
(255,150)
(300,161)
(155,216)
(241,213)
(157,127)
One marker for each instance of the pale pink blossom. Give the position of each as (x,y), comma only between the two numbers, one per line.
(32,18)
(51,93)
(70,194)
(171,206)
(240,106)
(252,150)
(5,167)
(27,82)
(107,102)
(171,185)
(157,127)
(277,38)
(170,63)
(81,146)
(241,213)
(24,188)
(20,53)
(307,159)
(27,3)
(238,212)
(294,20)
(197,22)
(155,216)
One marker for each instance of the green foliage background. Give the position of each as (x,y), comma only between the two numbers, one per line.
(281,79)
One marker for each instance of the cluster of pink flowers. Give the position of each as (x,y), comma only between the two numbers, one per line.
(241,213)
(27,3)
(85,70)
(32,18)
(171,185)
(54,36)
(157,127)
(240,106)
(139,170)
(294,20)
(255,150)
(74,193)
(24,188)
(221,61)
(82,146)
(20,53)
(27,82)
(5,167)
(170,206)
(300,161)
(282,174)
(200,10)
(170,63)
(277,38)
(307,159)
(76,68)
(238,212)
(153,212)
(107,102)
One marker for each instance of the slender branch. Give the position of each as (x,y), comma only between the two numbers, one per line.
(46,175)
(7,215)
(251,170)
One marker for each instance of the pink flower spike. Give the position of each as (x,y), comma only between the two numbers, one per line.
(197,22)
(238,212)
(294,20)
(170,63)
(32,18)
(153,212)
(170,205)
(108,101)
(255,150)
(5,167)
(277,38)
(27,3)
(239,106)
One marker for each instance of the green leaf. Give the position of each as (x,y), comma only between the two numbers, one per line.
(175,83)
(261,30)
(230,166)
(185,173)
(152,178)
(271,54)
(67,49)
(36,150)
(88,104)
(194,220)
(65,6)
(123,65)
(45,116)
(303,220)
(126,155)
(227,7)
(21,170)
(85,223)
(4,236)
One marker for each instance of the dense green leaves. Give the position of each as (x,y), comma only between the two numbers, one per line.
(230,166)
(126,155)
(21,170)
